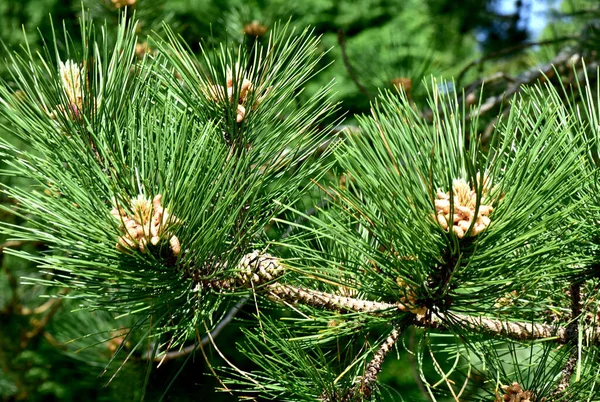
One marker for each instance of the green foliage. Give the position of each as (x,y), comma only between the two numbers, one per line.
(134,129)
(150,169)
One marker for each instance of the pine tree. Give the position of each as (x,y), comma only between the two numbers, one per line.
(169,189)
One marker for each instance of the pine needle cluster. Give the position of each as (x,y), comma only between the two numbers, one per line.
(155,178)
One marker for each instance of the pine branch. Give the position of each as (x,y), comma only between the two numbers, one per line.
(566,374)
(329,301)
(563,59)
(39,326)
(374,367)
(363,388)
(516,330)
(14,306)
(512,49)
(259,269)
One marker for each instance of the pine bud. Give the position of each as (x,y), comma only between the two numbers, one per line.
(515,393)
(254,28)
(464,200)
(246,88)
(149,225)
(123,3)
(71,75)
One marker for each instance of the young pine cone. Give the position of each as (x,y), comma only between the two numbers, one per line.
(514,393)
(219,94)
(149,223)
(464,200)
(71,75)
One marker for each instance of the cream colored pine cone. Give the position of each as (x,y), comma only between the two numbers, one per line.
(464,201)
(514,393)
(219,93)
(150,223)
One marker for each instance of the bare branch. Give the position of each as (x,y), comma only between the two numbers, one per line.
(567,371)
(509,50)
(315,298)
(263,270)
(39,326)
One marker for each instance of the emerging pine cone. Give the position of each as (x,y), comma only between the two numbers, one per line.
(122,3)
(71,75)
(150,223)
(409,299)
(254,28)
(141,49)
(403,83)
(514,393)
(220,94)
(464,200)
(116,340)
(256,269)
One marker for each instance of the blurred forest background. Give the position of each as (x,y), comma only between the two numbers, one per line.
(373,44)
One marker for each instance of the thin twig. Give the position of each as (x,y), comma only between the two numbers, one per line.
(206,339)
(39,326)
(566,374)
(12,244)
(351,72)
(14,305)
(529,77)
(373,368)
(509,50)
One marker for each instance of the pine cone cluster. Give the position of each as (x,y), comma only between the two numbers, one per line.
(149,224)
(219,93)
(464,200)
(514,393)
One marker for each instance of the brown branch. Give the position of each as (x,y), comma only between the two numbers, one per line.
(14,304)
(260,271)
(351,72)
(566,374)
(509,50)
(374,367)
(565,59)
(329,301)
(511,329)
(39,326)
(529,77)
(567,371)
(363,388)
(12,244)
